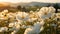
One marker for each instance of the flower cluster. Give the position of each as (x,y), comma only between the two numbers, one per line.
(33,21)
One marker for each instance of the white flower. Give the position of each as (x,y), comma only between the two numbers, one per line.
(32,17)
(22,16)
(42,11)
(11,24)
(46,12)
(52,9)
(4,12)
(46,16)
(34,29)
(2,15)
(2,29)
(11,15)
(58,15)
(16,28)
(14,32)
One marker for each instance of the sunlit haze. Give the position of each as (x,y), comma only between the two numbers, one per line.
(16,1)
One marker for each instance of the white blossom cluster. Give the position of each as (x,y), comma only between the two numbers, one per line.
(24,20)
(46,12)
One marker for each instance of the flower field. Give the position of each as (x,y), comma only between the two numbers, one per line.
(42,21)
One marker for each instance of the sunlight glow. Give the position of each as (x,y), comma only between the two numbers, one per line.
(16,1)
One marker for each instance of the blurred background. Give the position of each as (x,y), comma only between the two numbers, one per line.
(28,4)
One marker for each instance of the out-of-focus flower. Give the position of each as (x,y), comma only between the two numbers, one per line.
(52,9)
(11,24)
(14,32)
(14,24)
(2,29)
(32,17)
(4,12)
(34,29)
(10,15)
(16,28)
(46,12)
(58,15)
(22,16)
(3,15)
(24,26)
